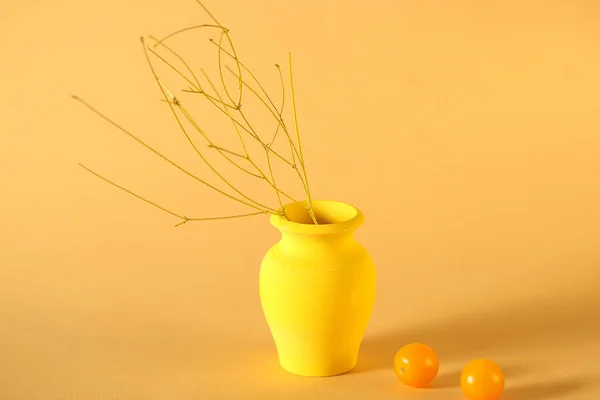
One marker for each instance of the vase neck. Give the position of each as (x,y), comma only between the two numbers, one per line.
(315,246)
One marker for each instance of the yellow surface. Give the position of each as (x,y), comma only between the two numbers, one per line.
(468,132)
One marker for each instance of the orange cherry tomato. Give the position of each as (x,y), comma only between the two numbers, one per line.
(482,380)
(416,364)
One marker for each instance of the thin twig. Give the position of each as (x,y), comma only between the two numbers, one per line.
(209,13)
(182,217)
(226,31)
(140,141)
(174,69)
(189,28)
(187,66)
(309,200)
(233,153)
(219,218)
(131,193)
(210,97)
(237,104)
(280,113)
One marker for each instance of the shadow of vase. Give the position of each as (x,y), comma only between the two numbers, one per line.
(541,324)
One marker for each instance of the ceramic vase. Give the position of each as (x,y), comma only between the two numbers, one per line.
(317,289)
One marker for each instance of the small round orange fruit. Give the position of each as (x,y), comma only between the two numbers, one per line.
(416,364)
(482,380)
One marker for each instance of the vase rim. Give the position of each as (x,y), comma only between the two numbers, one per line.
(351,219)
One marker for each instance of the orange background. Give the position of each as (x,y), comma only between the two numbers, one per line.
(466,131)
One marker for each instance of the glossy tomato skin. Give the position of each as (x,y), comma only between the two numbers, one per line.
(416,365)
(482,380)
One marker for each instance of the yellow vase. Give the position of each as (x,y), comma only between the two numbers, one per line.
(317,289)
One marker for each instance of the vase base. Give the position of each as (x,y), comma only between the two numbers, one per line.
(318,372)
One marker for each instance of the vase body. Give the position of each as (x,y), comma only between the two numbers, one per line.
(317,290)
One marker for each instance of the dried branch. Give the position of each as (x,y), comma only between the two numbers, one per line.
(183,218)
(152,149)
(173,102)
(233,110)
